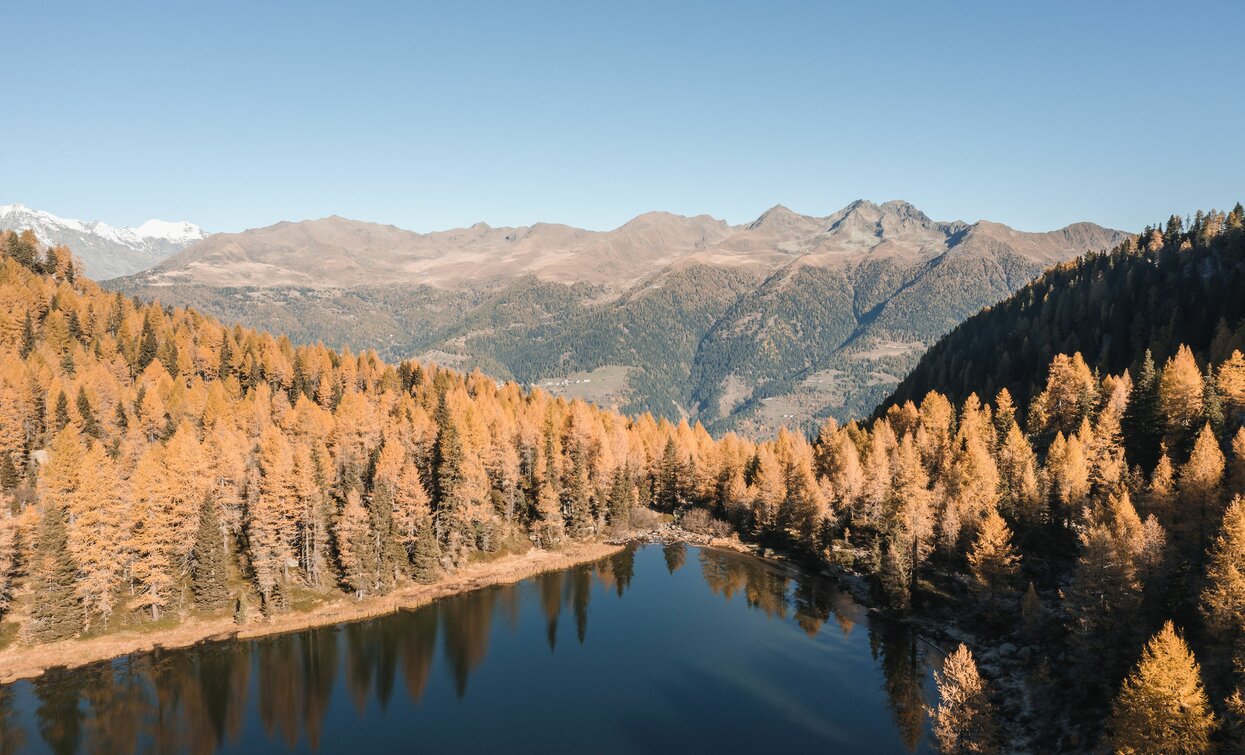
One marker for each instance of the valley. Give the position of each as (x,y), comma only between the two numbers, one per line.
(709,321)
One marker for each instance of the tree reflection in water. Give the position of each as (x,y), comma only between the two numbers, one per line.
(196,700)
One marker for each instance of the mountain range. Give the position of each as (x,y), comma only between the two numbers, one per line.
(105,251)
(781,321)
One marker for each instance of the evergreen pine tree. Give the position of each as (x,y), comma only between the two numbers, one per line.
(1143,422)
(1201,490)
(669,482)
(426,556)
(619,509)
(28,337)
(89,425)
(1031,613)
(1212,403)
(60,419)
(577,505)
(208,574)
(8,472)
(147,346)
(57,613)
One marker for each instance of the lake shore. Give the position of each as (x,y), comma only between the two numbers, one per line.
(28,661)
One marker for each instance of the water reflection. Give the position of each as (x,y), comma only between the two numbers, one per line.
(212,697)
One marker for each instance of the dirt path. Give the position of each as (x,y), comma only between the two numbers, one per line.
(25,661)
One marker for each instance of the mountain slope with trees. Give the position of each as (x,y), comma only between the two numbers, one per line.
(1167,287)
(782,321)
(156,462)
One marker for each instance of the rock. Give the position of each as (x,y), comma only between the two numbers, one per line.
(1025,655)
(1007,650)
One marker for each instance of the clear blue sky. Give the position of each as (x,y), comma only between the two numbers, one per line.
(432,116)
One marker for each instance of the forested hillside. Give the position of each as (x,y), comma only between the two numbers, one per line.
(157,463)
(1170,286)
(780,322)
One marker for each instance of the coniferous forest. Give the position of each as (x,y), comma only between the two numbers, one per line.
(1089,514)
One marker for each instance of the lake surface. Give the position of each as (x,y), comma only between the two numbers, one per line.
(656,649)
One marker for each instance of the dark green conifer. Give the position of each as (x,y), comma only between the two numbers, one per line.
(61,417)
(208,575)
(57,614)
(28,336)
(577,502)
(148,345)
(619,510)
(1143,421)
(89,425)
(668,481)
(8,472)
(1212,402)
(426,557)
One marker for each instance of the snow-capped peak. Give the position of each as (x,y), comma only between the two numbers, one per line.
(162,229)
(107,250)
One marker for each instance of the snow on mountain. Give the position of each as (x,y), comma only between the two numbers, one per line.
(106,251)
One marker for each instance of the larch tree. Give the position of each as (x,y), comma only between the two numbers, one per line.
(354,546)
(1070,393)
(1104,597)
(1018,471)
(1180,397)
(964,719)
(801,512)
(909,524)
(8,556)
(844,470)
(1161,496)
(186,488)
(412,509)
(1223,598)
(151,543)
(1068,473)
(1201,491)
(768,491)
(389,555)
(876,488)
(1236,468)
(993,560)
(97,533)
(311,509)
(1162,707)
(270,532)
(1230,380)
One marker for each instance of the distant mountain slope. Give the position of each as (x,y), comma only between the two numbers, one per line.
(1163,289)
(781,321)
(105,251)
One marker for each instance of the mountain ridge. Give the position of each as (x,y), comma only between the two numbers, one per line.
(330,252)
(780,321)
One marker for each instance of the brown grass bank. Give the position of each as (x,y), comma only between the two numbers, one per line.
(25,661)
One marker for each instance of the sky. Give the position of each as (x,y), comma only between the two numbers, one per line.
(439,115)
